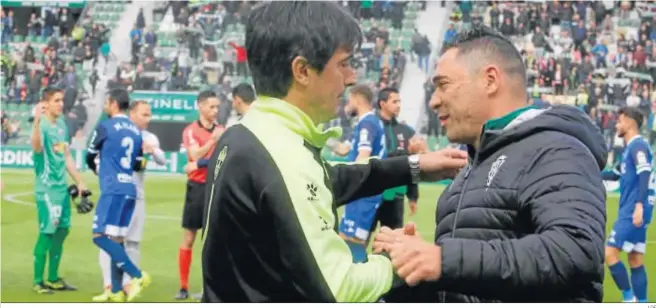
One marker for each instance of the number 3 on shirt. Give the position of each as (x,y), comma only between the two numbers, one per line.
(128,144)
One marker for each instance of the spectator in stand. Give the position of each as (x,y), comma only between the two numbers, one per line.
(450,34)
(10,129)
(7,21)
(242,65)
(135,38)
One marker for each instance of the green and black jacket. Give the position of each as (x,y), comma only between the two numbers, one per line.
(397,140)
(271,229)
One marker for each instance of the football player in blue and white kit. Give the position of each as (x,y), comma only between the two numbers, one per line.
(140,114)
(118,141)
(368,141)
(629,233)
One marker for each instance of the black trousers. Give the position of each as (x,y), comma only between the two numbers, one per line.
(389,214)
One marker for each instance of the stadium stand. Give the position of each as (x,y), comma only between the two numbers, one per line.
(596,55)
(49,46)
(199,44)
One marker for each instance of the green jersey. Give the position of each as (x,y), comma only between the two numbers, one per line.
(50,164)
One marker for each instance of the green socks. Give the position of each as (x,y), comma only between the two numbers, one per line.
(48,245)
(40,249)
(56,248)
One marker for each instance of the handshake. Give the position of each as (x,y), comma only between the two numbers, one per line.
(414,259)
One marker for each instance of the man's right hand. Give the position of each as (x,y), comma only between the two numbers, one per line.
(190,167)
(386,236)
(442,164)
(38,111)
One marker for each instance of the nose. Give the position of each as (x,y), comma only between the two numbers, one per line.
(435,101)
(349,77)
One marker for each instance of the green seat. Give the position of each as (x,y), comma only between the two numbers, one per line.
(167,43)
(406,44)
(18,38)
(10,107)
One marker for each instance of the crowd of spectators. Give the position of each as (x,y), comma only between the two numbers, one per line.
(200,49)
(46,46)
(598,55)
(203,47)
(379,63)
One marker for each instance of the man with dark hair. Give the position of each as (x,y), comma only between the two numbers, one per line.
(271,229)
(629,233)
(117,140)
(52,159)
(400,140)
(140,114)
(525,221)
(199,139)
(243,96)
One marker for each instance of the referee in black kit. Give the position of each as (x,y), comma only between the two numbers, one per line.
(400,140)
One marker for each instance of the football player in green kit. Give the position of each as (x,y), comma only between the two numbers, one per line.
(52,159)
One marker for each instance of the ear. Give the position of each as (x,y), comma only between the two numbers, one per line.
(491,78)
(301,70)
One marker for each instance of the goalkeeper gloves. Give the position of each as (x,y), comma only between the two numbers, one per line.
(85,205)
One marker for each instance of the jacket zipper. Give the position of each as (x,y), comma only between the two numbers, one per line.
(460,199)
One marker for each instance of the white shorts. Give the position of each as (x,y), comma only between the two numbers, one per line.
(135,230)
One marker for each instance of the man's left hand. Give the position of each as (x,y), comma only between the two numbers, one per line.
(413,207)
(416,260)
(148,148)
(637,215)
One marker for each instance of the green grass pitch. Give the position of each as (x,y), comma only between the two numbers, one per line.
(162,236)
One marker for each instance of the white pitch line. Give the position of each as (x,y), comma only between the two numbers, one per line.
(14,199)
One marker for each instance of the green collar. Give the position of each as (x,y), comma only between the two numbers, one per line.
(501,122)
(296,120)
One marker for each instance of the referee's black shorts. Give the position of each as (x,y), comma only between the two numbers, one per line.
(194,206)
(389,214)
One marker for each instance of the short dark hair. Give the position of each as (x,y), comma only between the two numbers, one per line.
(633,113)
(245,92)
(136,103)
(491,45)
(384,94)
(279,31)
(121,97)
(204,95)
(49,91)
(364,91)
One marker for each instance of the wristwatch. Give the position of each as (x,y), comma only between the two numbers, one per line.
(413,161)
